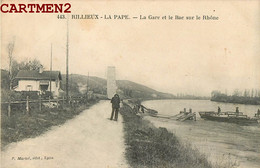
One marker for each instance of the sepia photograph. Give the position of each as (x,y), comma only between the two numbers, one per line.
(130,84)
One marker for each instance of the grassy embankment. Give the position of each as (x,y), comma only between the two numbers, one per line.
(20,126)
(148,146)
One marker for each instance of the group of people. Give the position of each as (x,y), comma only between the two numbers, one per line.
(116,105)
(237,110)
(139,107)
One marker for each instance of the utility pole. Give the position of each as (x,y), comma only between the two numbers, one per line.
(51,67)
(67,63)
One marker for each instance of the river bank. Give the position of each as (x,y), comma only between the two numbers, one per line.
(148,146)
(236,99)
(20,126)
(222,142)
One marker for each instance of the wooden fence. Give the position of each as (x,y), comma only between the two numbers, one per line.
(60,101)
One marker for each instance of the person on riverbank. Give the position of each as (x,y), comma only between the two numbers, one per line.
(258,113)
(219,110)
(237,111)
(115,106)
(142,108)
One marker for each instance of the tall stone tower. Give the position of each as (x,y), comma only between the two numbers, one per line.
(111,81)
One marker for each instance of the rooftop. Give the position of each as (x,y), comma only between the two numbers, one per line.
(36,75)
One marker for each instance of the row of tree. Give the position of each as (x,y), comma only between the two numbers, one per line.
(24,65)
(248,96)
(14,66)
(239,93)
(8,80)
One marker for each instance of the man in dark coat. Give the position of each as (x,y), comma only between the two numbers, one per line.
(115,106)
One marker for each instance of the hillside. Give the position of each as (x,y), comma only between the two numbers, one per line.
(78,85)
(127,89)
(132,89)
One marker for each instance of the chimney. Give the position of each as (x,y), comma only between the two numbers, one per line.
(40,69)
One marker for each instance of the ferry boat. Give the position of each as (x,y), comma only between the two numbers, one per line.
(230,117)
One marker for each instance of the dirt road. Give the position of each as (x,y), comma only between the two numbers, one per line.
(89,140)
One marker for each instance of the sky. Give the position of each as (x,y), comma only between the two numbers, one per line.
(174,56)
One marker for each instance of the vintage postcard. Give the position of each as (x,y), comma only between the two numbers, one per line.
(139,83)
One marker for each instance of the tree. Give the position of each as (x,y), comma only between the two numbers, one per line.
(30,65)
(246,93)
(24,65)
(10,48)
(236,92)
(252,93)
(215,93)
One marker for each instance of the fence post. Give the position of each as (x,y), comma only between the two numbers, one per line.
(27,105)
(40,103)
(57,102)
(49,99)
(9,109)
(63,101)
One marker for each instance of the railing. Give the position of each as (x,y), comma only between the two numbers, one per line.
(60,101)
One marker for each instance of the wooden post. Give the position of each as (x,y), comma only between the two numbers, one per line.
(49,99)
(27,105)
(40,103)
(57,102)
(63,101)
(9,109)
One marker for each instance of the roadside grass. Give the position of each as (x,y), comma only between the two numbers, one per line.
(20,126)
(148,146)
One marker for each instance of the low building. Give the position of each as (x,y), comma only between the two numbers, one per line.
(41,81)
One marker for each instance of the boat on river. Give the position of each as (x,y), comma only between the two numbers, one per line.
(230,117)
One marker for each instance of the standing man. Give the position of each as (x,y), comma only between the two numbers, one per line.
(115,106)
(237,111)
(219,110)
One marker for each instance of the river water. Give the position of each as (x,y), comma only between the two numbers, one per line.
(224,143)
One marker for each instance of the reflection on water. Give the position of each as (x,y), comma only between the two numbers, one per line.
(218,140)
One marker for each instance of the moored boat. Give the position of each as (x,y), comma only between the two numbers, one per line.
(230,117)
